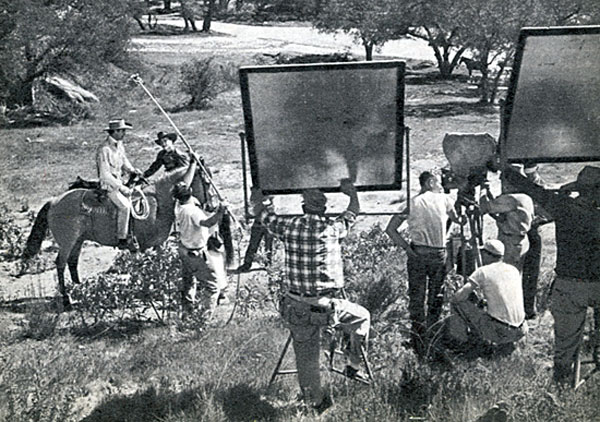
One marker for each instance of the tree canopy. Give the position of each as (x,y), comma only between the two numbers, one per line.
(371,22)
(54,36)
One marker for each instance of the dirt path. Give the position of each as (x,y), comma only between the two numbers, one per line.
(254,38)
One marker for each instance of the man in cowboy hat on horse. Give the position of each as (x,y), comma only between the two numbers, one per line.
(111,162)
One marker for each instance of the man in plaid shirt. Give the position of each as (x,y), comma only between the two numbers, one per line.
(314,270)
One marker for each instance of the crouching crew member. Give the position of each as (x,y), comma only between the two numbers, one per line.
(502,320)
(314,271)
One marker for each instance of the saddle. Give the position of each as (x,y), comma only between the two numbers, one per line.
(95,201)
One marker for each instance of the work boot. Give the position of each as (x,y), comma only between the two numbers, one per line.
(244,268)
(129,244)
(325,404)
(355,374)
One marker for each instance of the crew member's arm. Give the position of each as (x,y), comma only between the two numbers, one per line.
(465,291)
(264,211)
(188,177)
(500,205)
(348,217)
(213,219)
(392,231)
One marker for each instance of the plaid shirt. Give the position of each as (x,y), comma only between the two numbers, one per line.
(313,256)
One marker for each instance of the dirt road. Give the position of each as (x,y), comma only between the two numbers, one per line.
(254,38)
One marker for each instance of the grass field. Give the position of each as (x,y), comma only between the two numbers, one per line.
(53,370)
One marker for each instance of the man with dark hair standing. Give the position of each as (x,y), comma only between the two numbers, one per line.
(426,253)
(195,227)
(111,162)
(314,270)
(577,282)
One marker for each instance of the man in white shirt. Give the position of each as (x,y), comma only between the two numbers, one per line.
(502,319)
(426,253)
(195,226)
(111,162)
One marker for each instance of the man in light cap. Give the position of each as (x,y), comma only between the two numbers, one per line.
(502,320)
(111,163)
(577,282)
(315,278)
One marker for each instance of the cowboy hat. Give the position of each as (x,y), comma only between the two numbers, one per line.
(587,178)
(118,124)
(161,135)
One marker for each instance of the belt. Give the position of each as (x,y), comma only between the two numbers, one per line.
(322,293)
(195,252)
(506,324)
(437,248)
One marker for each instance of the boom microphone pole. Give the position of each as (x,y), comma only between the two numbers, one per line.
(136,78)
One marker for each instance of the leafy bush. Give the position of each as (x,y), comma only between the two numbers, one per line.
(137,287)
(41,37)
(200,80)
(12,237)
(374,271)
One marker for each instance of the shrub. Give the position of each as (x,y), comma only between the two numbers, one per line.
(138,287)
(200,80)
(374,271)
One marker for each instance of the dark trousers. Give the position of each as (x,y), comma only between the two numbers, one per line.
(531,270)
(257,233)
(426,274)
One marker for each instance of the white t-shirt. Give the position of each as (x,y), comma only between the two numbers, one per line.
(502,288)
(428,217)
(188,217)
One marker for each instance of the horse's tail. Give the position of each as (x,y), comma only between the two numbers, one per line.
(38,233)
(225,231)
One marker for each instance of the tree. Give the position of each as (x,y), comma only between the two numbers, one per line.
(209,9)
(438,23)
(371,22)
(46,36)
(490,28)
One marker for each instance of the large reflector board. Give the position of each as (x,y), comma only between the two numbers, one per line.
(308,126)
(553,103)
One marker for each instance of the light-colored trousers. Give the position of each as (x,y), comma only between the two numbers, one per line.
(305,325)
(197,267)
(123,205)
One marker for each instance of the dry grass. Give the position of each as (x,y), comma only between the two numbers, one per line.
(160,374)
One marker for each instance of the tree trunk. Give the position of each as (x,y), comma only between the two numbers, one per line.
(208,13)
(484,86)
(368,50)
(496,81)
(167,5)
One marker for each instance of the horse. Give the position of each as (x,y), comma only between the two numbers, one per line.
(71,223)
(472,65)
